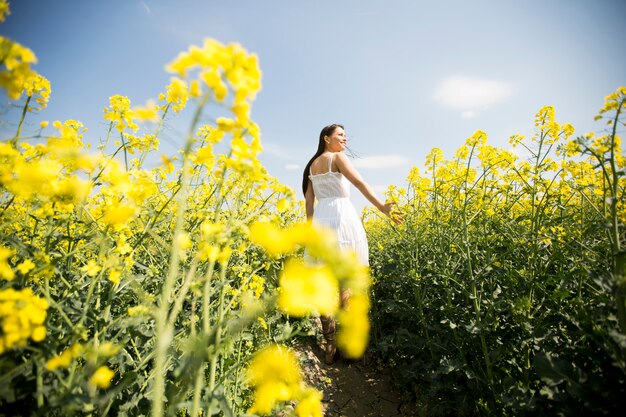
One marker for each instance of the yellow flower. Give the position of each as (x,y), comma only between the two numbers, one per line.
(4,10)
(148,113)
(91,268)
(102,377)
(22,315)
(354,330)
(26,266)
(262,322)
(115,275)
(44,124)
(305,289)
(274,240)
(64,359)
(177,94)
(310,405)
(5,269)
(120,113)
(119,213)
(275,375)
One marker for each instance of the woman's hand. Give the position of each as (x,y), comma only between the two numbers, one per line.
(388,210)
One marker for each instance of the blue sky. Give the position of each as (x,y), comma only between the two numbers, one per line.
(402,76)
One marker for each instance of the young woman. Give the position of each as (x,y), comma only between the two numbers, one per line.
(327,178)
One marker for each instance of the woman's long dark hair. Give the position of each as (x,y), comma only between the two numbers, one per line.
(321,146)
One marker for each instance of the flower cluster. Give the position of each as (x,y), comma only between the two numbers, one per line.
(314,288)
(17,77)
(22,317)
(275,375)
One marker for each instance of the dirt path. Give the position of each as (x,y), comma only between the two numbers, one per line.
(351,388)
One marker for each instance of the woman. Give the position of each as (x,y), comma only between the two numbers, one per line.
(327,178)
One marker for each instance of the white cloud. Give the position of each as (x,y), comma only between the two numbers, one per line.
(472,94)
(292,167)
(381,162)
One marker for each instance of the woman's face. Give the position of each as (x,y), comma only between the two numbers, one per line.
(337,141)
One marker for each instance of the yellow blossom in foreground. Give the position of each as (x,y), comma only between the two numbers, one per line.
(305,289)
(26,266)
(275,375)
(102,377)
(4,10)
(148,113)
(354,330)
(91,268)
(115,276)
(64,359)
(22,316)
(5,269)
(119,213)
(311,404)
(274,240)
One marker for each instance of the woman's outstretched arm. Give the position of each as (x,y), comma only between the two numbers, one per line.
(346,168)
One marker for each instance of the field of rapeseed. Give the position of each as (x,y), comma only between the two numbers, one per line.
(504,292)
(166,291)
(174,290)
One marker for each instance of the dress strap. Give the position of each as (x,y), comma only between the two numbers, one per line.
(330,162)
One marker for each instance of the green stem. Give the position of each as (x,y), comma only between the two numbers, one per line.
(218,330)
(19,126)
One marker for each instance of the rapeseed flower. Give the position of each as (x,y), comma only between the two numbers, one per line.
(5,269)
(120,113)
(22,316)
(275,375)
(26,266)
(177,94)
(306,289)
(310,405)
(102,377)
(64,359)
(91,268)
(354,329)
(274,240)
(4,10)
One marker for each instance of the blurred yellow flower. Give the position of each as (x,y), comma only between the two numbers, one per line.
(22,316)
(274,240)
(275,375)
(26,266)
(149,112)
(5,269)
(115,276)
(102,377)
(4,10)
(354,330)
(91,268)
(305,290)
(119,213)
(310,405)
(64,359)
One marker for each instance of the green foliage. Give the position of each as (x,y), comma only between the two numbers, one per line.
(497,296)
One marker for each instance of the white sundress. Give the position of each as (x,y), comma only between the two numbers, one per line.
(334,210)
